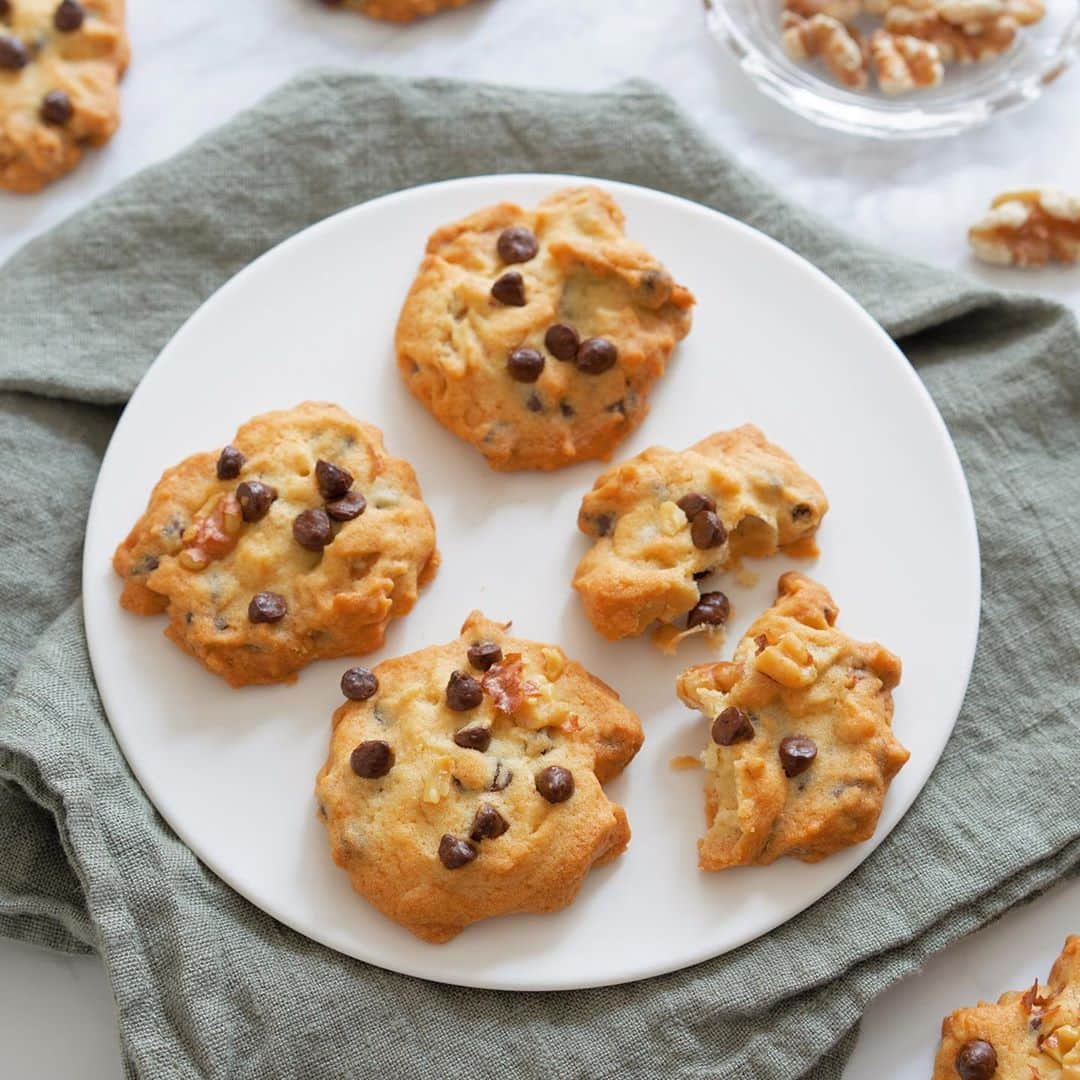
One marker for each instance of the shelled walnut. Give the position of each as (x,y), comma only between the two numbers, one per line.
(903,63)
(1029,228)
(828,38)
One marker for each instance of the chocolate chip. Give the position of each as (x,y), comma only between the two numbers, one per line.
(359,684)
(311,529)
(463,692)
(596,355)
(5,7)
(566,409)
(229,463)
(255,499)
(562,342)
(761,643)
(13,54)
(483,654)
(349,506)
(602,524)
(732,726)
(371,759)
(56,108)
(473,738)
(517,244)
(68,16)
(146,564)
(267,607)
(455,853)
(525,365)
(977,1060)
(488,823)
(700,575)
(555,783)
(510,289)
(707,530)
(332,480)
(797,753)
(712,609)
(801,511)
(533,403)
(501,780)
(692,505)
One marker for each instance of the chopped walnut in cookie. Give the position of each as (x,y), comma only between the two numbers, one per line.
(1028,229)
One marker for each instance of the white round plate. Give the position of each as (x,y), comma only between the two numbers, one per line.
(774,342)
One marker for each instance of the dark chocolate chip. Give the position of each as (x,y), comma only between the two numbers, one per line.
(145,564)
(732,726)
(229,463)
(801,511)
(463,692)
(596,355)
(761,643)
(517,244)
(566,409)
(371,759)
(692,505)
(977,1060)
(349,506)
(56,108)
(707,530)
(488,823)
(797,753)
(555,783)
(510,289)
(602,524)
(712,609)
(700,575)
(311,529)
(68,16)
(267,607)
(332,480)
(255,499)
(483,654)
(455,853)
(359,684)
(501,780)
(525,365)
(473,738)
(562,342)
(13,54)
(533,403)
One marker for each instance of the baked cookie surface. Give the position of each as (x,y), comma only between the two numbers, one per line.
(536,335)
(464,780)
(663,521)
(1026,1035)
(801,751)
(60,67)
(300,540)
(396,10)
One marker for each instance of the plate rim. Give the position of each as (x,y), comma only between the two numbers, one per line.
(96,643)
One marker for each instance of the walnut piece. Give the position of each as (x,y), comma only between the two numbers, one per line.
(962,44)
(836,44)
(903,63)
(1028,228)
(844,11)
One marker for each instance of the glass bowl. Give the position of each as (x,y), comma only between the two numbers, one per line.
(970,95)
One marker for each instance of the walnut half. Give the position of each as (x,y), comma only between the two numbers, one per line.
(1028,228)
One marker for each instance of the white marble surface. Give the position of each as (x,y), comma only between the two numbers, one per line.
(197,63)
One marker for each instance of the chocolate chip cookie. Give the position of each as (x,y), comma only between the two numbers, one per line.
(801,750)
(464,780)
(396,10)
(537,335)
(60,66)
(1028,1035)
(662,522)
(299,540)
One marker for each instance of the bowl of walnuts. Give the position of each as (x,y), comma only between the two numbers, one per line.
(899,69)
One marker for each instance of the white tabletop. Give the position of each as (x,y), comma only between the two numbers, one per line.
(196,64)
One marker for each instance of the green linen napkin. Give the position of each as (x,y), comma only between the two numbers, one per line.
(208,986)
